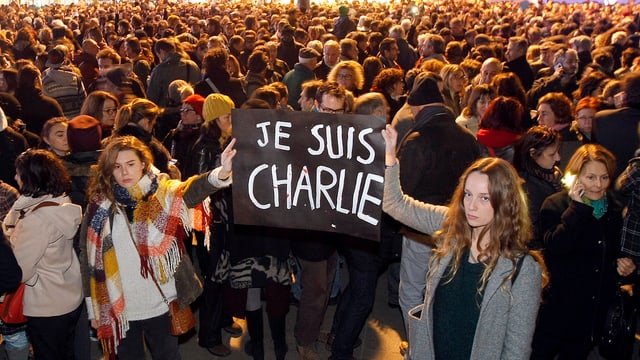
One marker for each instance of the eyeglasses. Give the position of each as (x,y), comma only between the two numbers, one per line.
(330,110)
(186,110)
(460,77)
(110,111)
(345,76)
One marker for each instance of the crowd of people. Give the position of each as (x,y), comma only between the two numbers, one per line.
(510,188)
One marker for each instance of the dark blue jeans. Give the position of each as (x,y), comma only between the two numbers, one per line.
(356,301)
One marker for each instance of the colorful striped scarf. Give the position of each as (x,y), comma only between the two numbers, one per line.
(161,221)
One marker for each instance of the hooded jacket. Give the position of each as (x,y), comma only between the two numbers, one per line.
(43,245)
(64,85)
(507,311)
(172,68)
(438,151)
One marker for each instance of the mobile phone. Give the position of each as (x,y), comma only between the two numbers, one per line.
(581,193)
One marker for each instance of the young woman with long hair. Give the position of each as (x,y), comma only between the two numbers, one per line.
(483,284)
(132,236)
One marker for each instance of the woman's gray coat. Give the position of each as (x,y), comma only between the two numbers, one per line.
(508,311)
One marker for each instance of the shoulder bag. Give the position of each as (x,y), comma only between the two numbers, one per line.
(12,305)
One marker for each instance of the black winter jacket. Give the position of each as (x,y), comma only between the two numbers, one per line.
(580,252)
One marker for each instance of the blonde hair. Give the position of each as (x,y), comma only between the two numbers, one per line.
(354,67)
(592,152)
(136,111)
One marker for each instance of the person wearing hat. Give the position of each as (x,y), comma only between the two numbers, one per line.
(236,248)
(62,81)
(214,135)
(180,140)
(439,147)
(84,136)
(302,72)
(197,149)
(343,24)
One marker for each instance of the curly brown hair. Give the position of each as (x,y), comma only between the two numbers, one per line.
(387,78)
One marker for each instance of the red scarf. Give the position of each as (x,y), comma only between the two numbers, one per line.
(497,138)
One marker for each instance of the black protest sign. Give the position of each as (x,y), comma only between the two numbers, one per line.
(314,171)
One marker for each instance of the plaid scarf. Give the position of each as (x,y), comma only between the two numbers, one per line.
(159,222)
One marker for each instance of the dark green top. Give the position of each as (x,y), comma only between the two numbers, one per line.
(456,308)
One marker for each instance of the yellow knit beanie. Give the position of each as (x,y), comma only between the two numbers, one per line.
(216,105)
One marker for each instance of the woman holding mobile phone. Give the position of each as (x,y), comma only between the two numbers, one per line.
(581,239)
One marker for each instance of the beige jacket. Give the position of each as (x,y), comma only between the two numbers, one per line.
(43,245)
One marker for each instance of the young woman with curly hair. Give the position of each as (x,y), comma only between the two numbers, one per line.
(390,82)
(131,244)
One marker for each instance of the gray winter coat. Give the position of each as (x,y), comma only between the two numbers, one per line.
(508,311)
